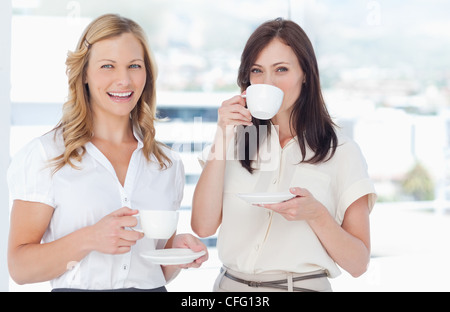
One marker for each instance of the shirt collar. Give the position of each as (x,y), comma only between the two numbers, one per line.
(274,131)
(137,134)
(94,151)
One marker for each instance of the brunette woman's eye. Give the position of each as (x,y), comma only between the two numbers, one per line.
(255,70)
(282,69)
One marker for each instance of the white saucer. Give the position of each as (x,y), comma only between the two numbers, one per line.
(266,198)
(172,256)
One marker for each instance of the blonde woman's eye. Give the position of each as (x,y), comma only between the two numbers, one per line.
(135,66)
(107,66)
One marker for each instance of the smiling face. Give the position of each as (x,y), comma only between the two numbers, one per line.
(116,75)
(278,65)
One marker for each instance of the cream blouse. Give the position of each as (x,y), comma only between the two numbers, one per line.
(256,240)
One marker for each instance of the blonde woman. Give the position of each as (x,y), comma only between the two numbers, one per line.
(77,188)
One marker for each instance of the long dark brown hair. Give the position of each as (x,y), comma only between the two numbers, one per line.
(309,117)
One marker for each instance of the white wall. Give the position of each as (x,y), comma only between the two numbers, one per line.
(5,122)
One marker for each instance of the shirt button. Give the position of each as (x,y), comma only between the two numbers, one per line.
(124,267)
(274,181)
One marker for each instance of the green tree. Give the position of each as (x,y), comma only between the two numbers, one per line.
(418,183)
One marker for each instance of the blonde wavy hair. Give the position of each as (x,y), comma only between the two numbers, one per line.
(76,123)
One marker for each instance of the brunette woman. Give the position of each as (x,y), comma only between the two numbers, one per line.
(295,245)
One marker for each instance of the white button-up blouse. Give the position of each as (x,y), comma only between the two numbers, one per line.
(256,240)
(82,197)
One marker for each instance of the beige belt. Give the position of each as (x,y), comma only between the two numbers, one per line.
(284,284)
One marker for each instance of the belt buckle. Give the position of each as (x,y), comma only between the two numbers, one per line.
(254,284)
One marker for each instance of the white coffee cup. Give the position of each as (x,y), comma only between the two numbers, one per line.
(263,100)
(157,224)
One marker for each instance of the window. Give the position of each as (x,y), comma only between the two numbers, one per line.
(383,68)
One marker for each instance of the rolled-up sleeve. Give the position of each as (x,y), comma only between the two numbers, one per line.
(353,180)
(30,175)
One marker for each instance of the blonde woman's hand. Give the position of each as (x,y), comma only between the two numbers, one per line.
(193,243)
(110,236)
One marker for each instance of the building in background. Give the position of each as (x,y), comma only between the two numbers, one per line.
(385,78)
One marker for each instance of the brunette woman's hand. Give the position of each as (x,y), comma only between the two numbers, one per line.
(109,235)
(233,112)
(304,206)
